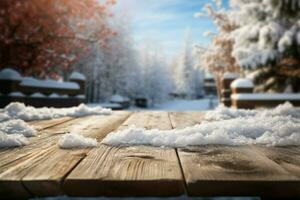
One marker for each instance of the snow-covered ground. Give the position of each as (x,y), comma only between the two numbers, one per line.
(184,105)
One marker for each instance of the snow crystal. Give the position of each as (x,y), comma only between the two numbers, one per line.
(242,83)
(75,140)
(12,140)
(279,126)
(77,76)
(10,74)
(17,127)
(28,113)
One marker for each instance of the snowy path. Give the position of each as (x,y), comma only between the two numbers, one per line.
(145,171)
(181,105)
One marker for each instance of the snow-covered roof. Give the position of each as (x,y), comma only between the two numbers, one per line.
(267,96)
(16,94)
(37,95)
(208,75)
(81,96)
(118,98)
(54,95)
(32,82)
(10,74)
(230,75)
(77,76)
(242,83)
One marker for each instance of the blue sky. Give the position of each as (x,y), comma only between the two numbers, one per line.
(166,21)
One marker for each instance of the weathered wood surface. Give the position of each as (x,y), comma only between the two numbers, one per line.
(129,171)
(42,169)
(238,171)
(41,166)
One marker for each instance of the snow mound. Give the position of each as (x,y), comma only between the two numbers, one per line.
(12,140)
(37,95)
(10,74)
(77,76)
(224,113)
(278,127)
(16,94)
(17,127)
(28,113)
(242,83)
(75,140)
(4,117)
(54,95)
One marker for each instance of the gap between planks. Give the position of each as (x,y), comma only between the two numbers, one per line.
(129,171)
(36,173)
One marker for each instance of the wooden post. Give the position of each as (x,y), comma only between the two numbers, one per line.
(241,86)
(227,79)
(80,80)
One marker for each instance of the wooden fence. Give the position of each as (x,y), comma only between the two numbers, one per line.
(239,93)
(39,93)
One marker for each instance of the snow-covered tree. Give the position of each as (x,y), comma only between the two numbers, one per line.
(268,39)
(260,36)
(187,77)
(113,69)
(156,78)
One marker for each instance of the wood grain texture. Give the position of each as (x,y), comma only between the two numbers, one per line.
(44,124)
(235,171)
(44,165)
(129,171)
(185,119)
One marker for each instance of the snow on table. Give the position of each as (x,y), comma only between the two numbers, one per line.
(148,171)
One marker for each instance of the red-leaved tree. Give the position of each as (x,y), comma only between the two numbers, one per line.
(45,37)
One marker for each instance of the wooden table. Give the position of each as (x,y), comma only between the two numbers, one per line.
(42,169)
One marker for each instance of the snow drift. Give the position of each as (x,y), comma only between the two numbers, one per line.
(75,140)
(279,126)
(28,113)
(14,130)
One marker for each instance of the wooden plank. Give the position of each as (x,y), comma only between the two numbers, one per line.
(185,119)
(44,165)
(287,157)
(235,171)
(44,124)
(129,171)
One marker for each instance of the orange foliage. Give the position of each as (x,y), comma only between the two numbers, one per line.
(44,37)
